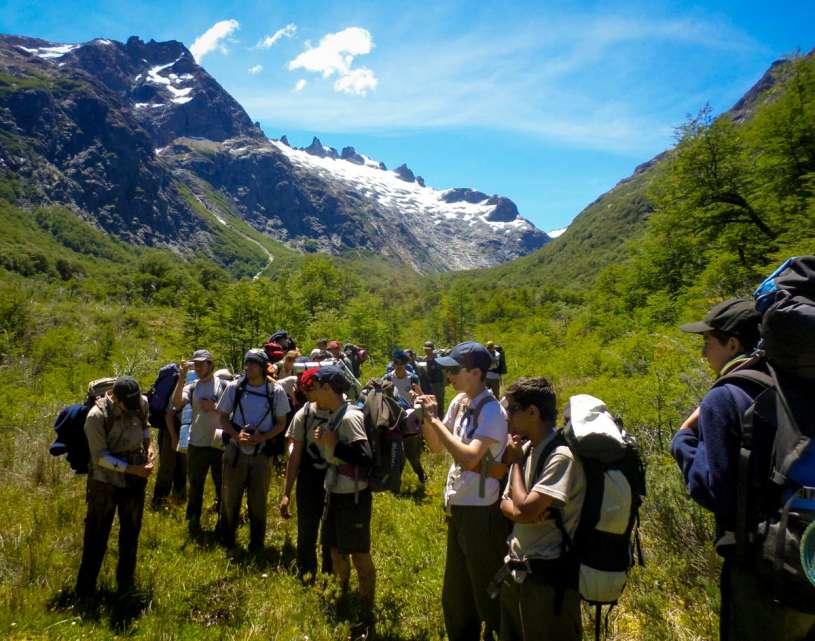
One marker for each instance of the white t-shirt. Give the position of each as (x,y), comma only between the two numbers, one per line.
(462,485)
(254,407)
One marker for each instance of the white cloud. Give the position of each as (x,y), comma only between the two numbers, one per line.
(213,38)
(255,70)
(301,84)
(357,81)
(335,55)
(269,41)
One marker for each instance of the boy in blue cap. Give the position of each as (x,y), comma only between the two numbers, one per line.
(474,431)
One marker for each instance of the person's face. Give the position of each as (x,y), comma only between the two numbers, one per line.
(463,379)
(308,392)
(253,369)
(289,362)
(202,368)
(521,419)
(335,351)
(718,354)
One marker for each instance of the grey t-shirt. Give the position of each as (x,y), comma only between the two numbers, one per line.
(254,407)
(302,428)
(564,480)
(204,424)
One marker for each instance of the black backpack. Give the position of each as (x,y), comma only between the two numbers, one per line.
(775,528)
(384,418)
(71,440)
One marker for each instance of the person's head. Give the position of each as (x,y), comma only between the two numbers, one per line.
(321,343)
(428,348)
(329,386)
(202,363)
(490,346)
(729,329)
(411,355)
(255,364)
(288,360)
(306,383)
(399,359)
(334,348)
(126,394)
(466,367)
(531,405)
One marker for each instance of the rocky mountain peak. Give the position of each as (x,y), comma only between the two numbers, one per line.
(404,172)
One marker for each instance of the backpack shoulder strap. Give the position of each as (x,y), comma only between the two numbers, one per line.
(762,379)
(555,443)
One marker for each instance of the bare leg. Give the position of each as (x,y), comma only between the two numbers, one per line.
(367,578)
(341,567)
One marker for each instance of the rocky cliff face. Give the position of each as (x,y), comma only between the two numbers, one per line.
(128,133)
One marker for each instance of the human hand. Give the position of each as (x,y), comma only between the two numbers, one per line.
(284,507)
(692,422)
(245,438)
(325,437)
(430,406)
(184,368)
(514,452)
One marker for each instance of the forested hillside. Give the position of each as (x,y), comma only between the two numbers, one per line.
(734,198)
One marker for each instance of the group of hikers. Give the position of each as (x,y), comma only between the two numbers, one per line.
(541,507)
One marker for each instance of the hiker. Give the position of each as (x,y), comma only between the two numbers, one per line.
(204,452)
(121,460)
(343,443)
(252,412)
(407,444)
(435,374)
(495,370)
(321,351)
(336,353)
(474,432)
(539,598)
(307,468)
(405,382)
(286,368)
(708,447)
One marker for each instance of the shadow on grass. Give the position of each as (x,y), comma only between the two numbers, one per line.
(122,608)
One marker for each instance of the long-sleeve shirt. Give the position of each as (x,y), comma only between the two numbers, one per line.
(125,436)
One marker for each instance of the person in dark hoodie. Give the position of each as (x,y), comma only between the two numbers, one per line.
(706,447)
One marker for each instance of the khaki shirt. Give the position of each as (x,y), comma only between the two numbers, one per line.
(123,437)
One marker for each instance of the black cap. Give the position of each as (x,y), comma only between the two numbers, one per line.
(737,316)
(334,376)
(256,356)
(202,355)
(126,389)
(470,355)
(399,356)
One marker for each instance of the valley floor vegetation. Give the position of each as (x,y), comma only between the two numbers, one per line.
(731,201)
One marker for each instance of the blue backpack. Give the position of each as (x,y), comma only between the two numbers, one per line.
(775,512)
(158,398)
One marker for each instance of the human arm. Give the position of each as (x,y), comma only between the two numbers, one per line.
(178,400)
(292,468)
(524,506)
(439,437)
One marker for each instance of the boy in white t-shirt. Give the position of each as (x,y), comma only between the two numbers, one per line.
(474,432)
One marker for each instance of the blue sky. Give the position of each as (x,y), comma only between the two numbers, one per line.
(549,103)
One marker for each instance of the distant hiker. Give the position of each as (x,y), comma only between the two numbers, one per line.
(320,351)
(435,374)
(286,368)
(205,449)
(307,467)
(539,598)
(171,477)
(474,432)
(343,443)
(252,411)
(121,459)
(405,389)
(496,369)
(336,353)
(709,447)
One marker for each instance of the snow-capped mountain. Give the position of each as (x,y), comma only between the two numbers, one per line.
(137,137)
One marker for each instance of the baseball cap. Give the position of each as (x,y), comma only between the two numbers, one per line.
(202,355)
(429,344)
(471,355)
(256,356)
(307,378)
(736,316)
(334,376)
(126,389)
(399,356)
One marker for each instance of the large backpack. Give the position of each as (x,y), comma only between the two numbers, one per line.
(71,440)
(384,419)
(775,515)
(159,395)
(608,530)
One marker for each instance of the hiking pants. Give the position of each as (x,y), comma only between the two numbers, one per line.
(413,453)
(172,470)
(438,392)
(749,613)
(529,611)
(104,501)
(476,544)
(250,472)
(310,495)
(200,461)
